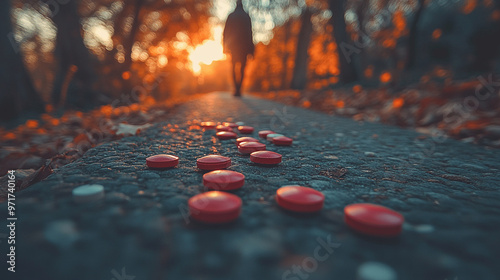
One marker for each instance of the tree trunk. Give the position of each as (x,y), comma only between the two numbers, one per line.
(412,37)
(299,79)
(130,39)
(286,54)
(362,36)
(17,93)
(70,52)
(345,47)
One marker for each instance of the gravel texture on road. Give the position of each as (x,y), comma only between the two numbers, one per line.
(447,191)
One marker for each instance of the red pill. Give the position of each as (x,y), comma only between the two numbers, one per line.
(282,141)
(265,157)
(213,162)
(225,135)
(208,125)
(250,147)
(373,219)
(223,128)
(214,207)
(245,139)
(230,124)
(264,133)
(300,199)
(245,129)
(162,161)
(223,180)
(271,136)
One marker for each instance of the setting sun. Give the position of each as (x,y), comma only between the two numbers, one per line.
(207,52)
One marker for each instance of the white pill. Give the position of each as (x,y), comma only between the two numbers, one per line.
(376,271)
(272,135)
(240,123)
(87,193)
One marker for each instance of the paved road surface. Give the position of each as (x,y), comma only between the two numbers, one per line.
(447,191)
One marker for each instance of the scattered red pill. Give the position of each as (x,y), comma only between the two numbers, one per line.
(265,157)
(224,135)
(264,133)
(230,124)
(223,128)
(282,141)
(250,147)
(214,207)
(162,161)
(373,219)
(271,136)
(208,125)
(213,162)
(245,129)
(245,139)
(222,180)
(300,199)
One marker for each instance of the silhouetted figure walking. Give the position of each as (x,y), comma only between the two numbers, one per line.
(238,42)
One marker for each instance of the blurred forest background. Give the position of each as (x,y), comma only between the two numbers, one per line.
(419,63)
(82,53)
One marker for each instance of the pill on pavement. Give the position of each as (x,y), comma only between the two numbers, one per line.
(222,180)
(271,136)
(225,135)
(250,147)
(300,199)
(162,161)
(214,207)
(264,133)
(245,129)
(230,124)
(265,157)
(208,125)
(245,139)
(213,162)
(372,219)
(282,141)
(223,128)
(88,193)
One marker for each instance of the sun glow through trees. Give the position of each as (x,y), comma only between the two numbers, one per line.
(208,52)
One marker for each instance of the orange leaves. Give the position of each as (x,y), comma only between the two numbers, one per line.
(357,88)
(106,110)
(389,43)
(398,103)
(31,123)
(81,139)
(399,22)
(476,124)
(126,75)
(134,107)
(469,6)
(436,34)
(54,122)
(385,77)
(333,80)
(369,71)
(9,136)
(49,108)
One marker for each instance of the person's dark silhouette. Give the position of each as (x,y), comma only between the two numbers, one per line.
(238,42)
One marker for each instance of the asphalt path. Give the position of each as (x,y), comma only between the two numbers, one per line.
(448,192)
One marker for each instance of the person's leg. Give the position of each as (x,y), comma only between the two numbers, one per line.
(242,72)
(238,77)
(233,69)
